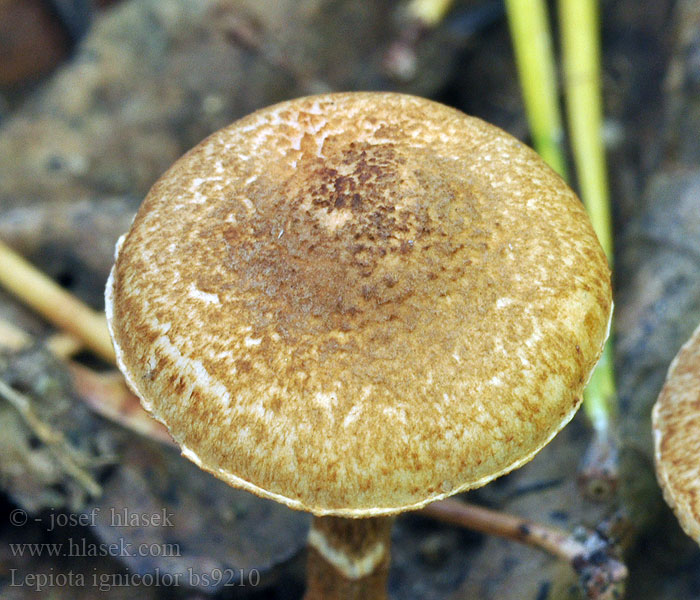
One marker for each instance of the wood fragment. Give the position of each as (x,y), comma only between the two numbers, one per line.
(71,459)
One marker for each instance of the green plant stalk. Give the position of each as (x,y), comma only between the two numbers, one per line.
(532,44)
(581,58)
(429,12)
(600,393)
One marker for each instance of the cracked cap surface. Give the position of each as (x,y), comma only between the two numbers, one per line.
(676,427)
(356,304)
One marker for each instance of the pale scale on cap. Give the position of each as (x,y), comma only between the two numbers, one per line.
(356,304)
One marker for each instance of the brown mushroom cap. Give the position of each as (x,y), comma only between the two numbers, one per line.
(676,427)
(357,304)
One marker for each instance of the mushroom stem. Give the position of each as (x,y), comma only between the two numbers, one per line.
(348,558)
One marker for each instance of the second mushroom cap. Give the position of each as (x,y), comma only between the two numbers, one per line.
(676,428)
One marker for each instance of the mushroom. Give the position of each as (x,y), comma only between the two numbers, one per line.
(676,428)
(357,304)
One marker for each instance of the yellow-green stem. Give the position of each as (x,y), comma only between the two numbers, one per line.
(430,12)
(532,44)
(600,395)
(581,57)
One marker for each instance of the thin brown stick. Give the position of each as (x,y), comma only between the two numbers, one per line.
(62,345)
(107,395)
(54,303)
(592,554)
(12,337)
(550,539)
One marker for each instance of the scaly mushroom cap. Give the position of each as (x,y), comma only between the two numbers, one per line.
(356,304)
(676,427)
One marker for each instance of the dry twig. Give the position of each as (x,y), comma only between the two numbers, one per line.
(54,303)
(592,554)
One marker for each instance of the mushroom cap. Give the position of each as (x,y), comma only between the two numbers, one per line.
(356,304)
(676,428)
